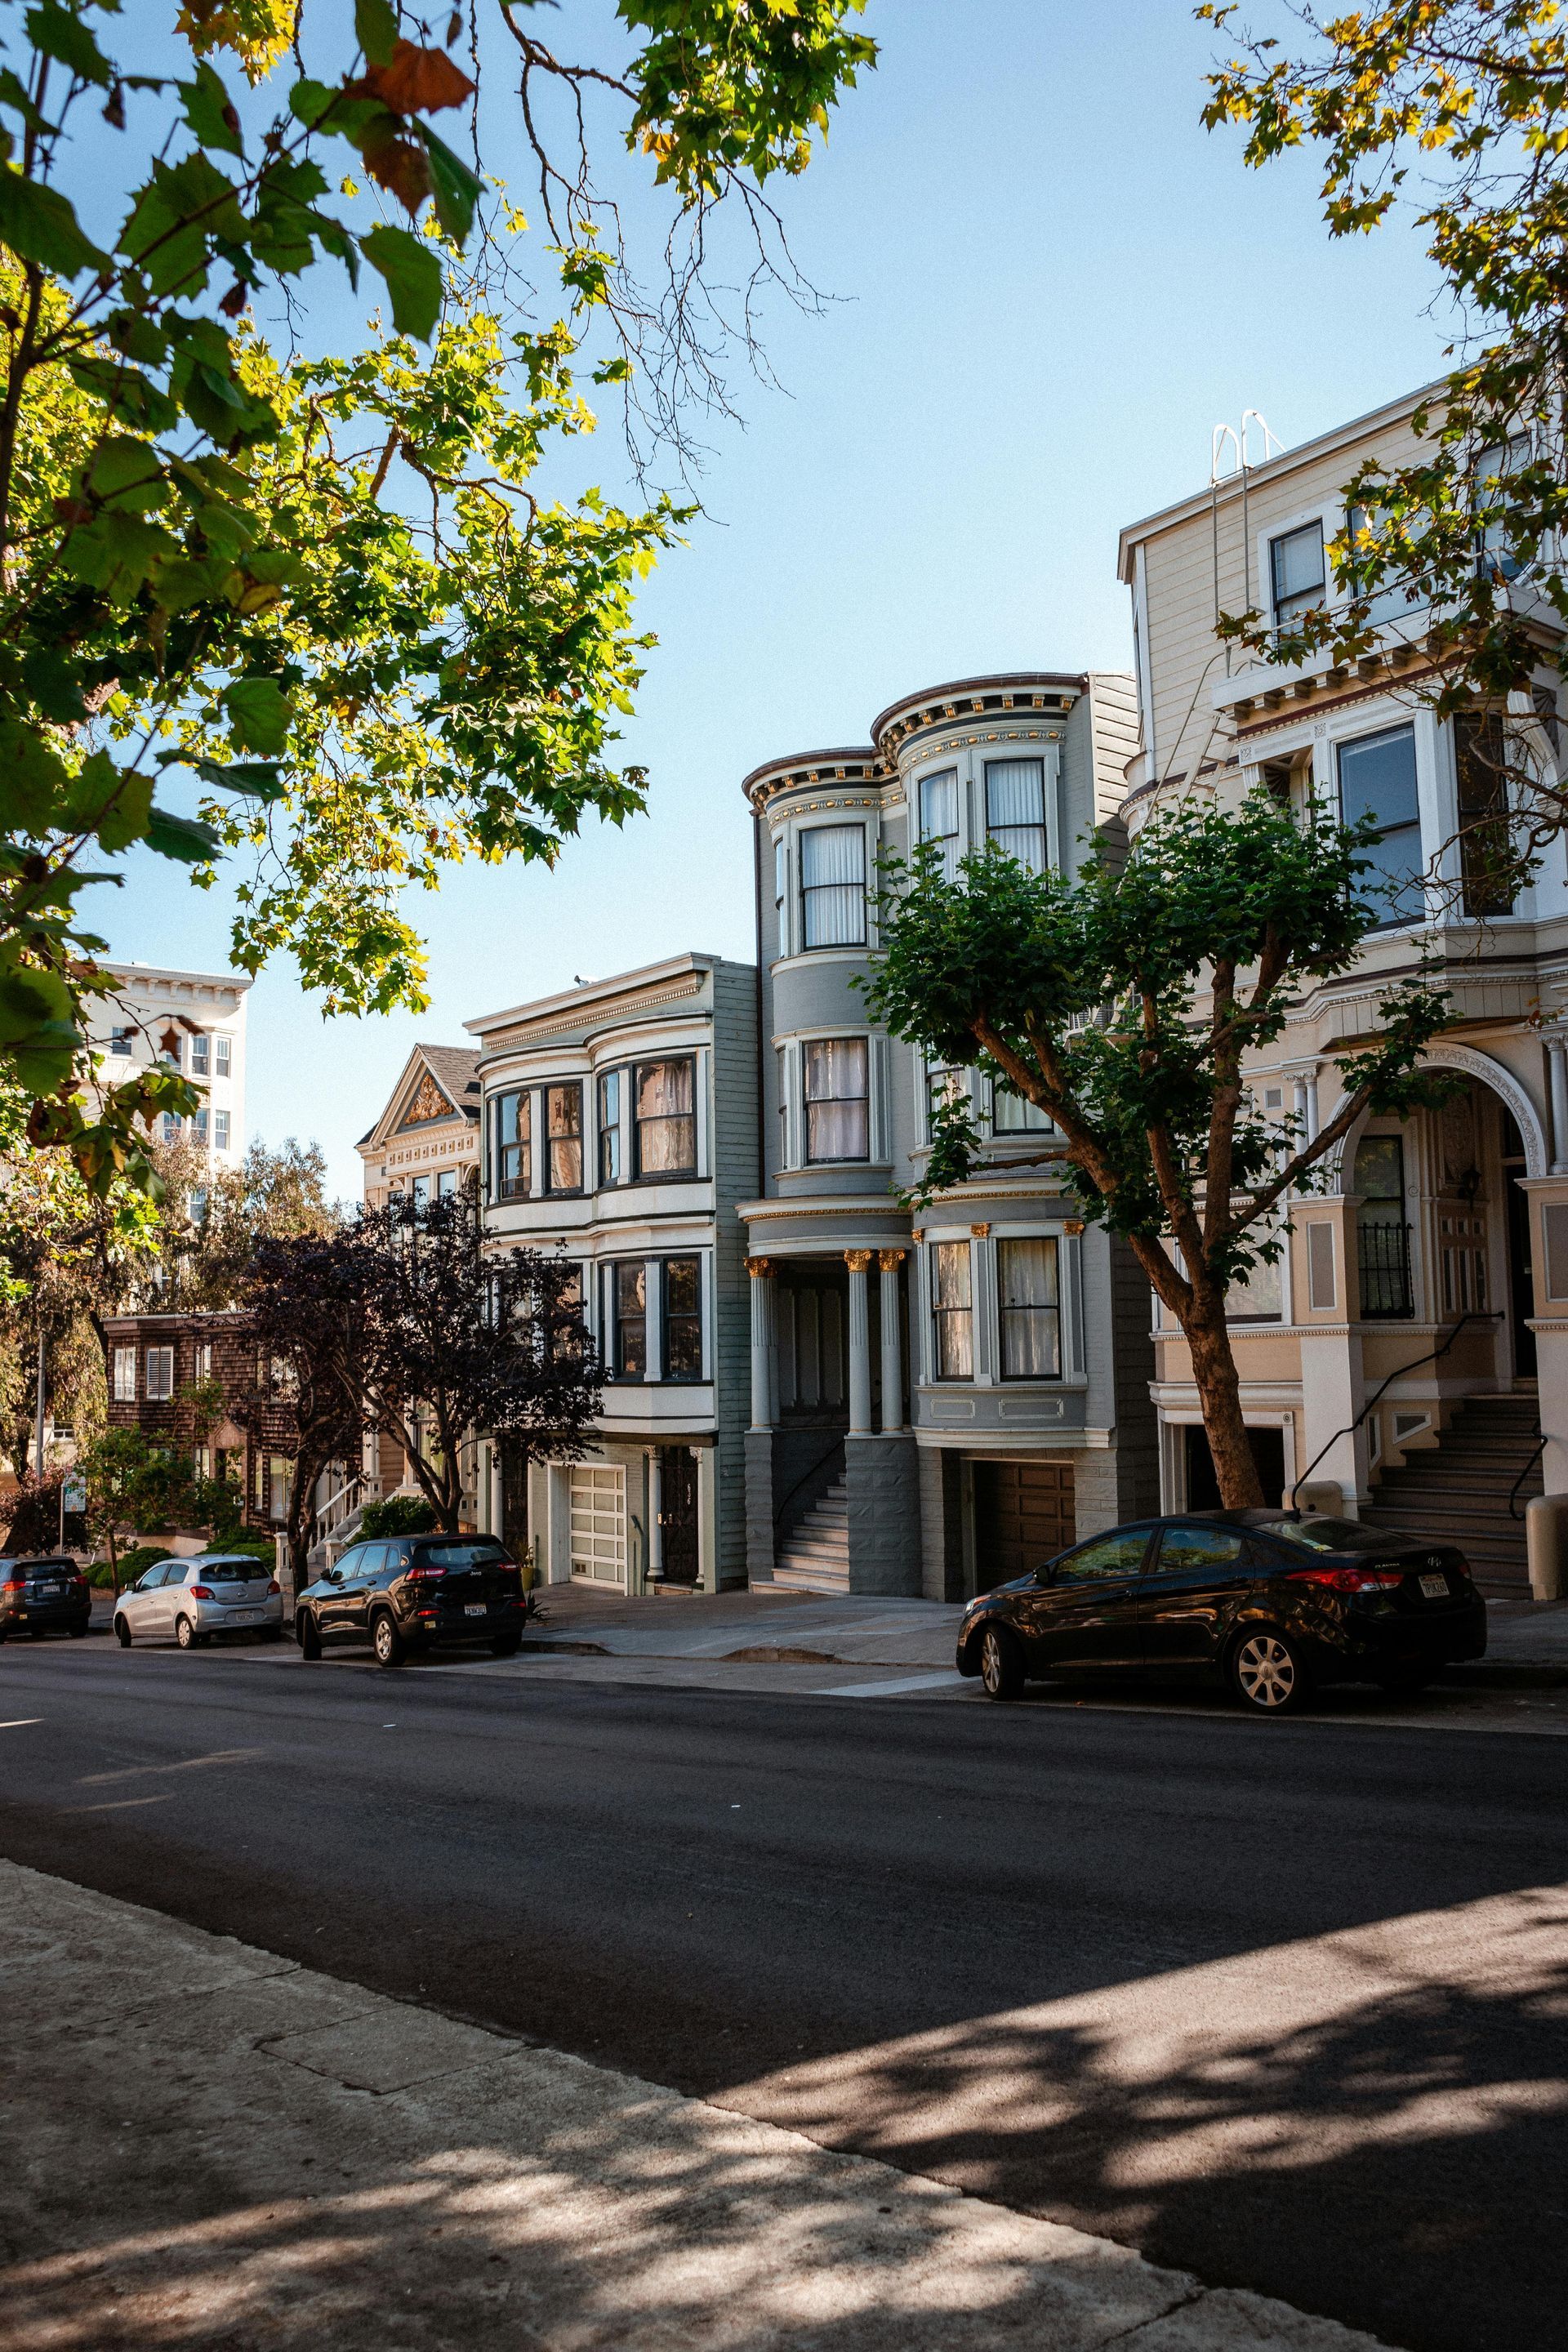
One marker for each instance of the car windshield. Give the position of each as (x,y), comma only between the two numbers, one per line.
(232,1572)
(1328,1535)
(459,1554)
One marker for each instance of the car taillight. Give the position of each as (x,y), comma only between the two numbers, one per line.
(273,1586)
(426,1575)
(203,1592)
(80,1583)
(1349,1580)
(14,1584)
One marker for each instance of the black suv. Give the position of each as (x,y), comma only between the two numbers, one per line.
(44,1596)
(1272,1602)
(412,1592)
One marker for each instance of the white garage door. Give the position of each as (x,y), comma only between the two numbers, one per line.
(599,1523)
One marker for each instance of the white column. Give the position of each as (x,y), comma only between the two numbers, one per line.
(1557,1067)
(888,1264)
(858,1262)
(763,1315)
(1312,1108)
(655,1507)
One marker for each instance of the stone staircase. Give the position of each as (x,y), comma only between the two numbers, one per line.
(1458,1490)
(814,1556)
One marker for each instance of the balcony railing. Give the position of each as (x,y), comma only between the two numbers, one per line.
(1382,1255)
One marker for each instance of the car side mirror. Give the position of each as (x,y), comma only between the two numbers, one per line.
(1045,1574)
(331,1576)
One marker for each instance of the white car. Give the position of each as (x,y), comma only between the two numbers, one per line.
(189,1601)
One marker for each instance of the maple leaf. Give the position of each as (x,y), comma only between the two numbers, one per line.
(417,81)
(402,168)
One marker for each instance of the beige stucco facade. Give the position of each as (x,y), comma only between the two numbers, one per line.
(1464,1229)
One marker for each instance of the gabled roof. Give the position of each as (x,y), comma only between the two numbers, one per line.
(454,1069)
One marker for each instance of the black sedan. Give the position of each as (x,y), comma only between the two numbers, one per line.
(412,1592)
(1271,1602)
(44,1596)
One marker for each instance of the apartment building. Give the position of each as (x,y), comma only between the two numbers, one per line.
(194,1023)
(426,1139)
(1413,1339)
(940,1400)
(620,1130)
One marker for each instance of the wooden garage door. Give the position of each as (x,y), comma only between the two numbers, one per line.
(1023,1514)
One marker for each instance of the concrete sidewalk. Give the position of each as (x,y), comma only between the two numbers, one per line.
(210,2146)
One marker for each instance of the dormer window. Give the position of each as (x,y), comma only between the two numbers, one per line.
(1296,572)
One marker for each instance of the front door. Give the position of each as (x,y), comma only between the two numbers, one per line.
(677,1513)
(1194,1581)
(1024,1515)
(1088,1614)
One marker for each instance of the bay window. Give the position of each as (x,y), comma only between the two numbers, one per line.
(1016,810)
(682,1318)
(610,1127)
(952,1314)
(1377,780)
(939,818)
(837,1107)
(628,1316)
(833,886)
(564,1132)
(1028,1295)
(665,1119)
(1014,1114)
(509,1121)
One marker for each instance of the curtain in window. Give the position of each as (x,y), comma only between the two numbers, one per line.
(1015,1113)
(1015,809)
(938,816)
(1028,1285)
(666,1120)
(833,885)
(837,1124)
(564,1120)
(952,1309)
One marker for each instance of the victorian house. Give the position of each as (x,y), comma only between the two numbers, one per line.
(940,1400)
(621,1131)
(1412,1344)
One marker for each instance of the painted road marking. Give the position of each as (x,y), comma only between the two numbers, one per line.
(889,1690)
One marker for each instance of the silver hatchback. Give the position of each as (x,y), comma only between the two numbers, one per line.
(189,1601)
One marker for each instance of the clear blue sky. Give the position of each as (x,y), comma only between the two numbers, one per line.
(1052,283)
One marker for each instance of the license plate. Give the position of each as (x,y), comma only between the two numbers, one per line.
(1436,1587)
(51,1592)
(475,1608)
(247,1616)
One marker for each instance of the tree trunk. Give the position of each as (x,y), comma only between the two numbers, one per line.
(1219,1394)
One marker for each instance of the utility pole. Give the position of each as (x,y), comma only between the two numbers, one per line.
(39,1423)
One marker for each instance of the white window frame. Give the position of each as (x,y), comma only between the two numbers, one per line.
(164,1358)
(125,1375)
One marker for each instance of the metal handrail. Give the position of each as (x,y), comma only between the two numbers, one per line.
(1474,1316)
(806,1477)
(1514,1491)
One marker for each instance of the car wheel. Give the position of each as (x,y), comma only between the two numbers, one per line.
(506,1645)
(78,1632)
(184,1634)
(123,1633)
(1268,1671)
(1000,1666)
(308,1633)
(386,1641)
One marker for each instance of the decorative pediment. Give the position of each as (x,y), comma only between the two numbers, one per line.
(429,1103)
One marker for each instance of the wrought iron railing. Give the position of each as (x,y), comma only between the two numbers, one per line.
(1383,1258)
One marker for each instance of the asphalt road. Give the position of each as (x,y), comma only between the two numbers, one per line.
(1283,2004)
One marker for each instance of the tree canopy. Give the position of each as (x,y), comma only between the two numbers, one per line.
(1454,113)
(310,607)
(1128,1003)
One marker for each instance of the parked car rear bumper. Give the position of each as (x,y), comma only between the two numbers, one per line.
(1383,1645)
(47,1617)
